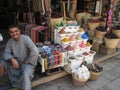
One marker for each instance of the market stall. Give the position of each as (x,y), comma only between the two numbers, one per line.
(71,42)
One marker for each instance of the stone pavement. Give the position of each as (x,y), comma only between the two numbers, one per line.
(109,80)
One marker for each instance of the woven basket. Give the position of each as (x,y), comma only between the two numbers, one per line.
(116,32)
(103,23)
(53,21)
(111,43)
(72,14)
(80,15)
(92,25)
(94,75)
(96,17)
(99,34)
(78,82)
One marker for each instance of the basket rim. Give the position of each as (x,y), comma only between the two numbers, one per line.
(79,79)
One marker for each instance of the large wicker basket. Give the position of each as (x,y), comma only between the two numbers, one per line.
(94,75)
(116,32)
(99,34)
(96,17)
(80,15)
(93,26)
(78,82)
(111,43)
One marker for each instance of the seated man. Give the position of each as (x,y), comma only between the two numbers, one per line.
(20,58)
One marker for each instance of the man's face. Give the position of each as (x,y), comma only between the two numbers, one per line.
(14,33)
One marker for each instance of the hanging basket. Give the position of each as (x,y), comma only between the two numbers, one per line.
(78,82)
(116,32)
(111,43)
(94,75)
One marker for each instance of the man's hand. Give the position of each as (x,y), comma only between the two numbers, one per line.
(15,63)
(26,62)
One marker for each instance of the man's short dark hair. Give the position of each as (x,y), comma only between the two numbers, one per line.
(13,26)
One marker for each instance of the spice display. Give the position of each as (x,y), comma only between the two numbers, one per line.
(88,44)
(72,38)
(65,40)
(85,53)
(76,47)
(72,59)
(69,48)
(62,31)
(92,52)
(78,37)
(81,30)
(82,45)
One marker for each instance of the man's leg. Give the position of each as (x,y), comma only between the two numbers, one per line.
(27,76)
(2,70)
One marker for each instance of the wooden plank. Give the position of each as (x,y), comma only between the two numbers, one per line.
(46,79)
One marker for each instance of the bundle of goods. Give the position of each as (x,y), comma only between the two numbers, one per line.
(80,75)
(51,55)
(95,70)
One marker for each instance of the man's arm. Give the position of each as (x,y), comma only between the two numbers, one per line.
(33,54)
(7,55)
